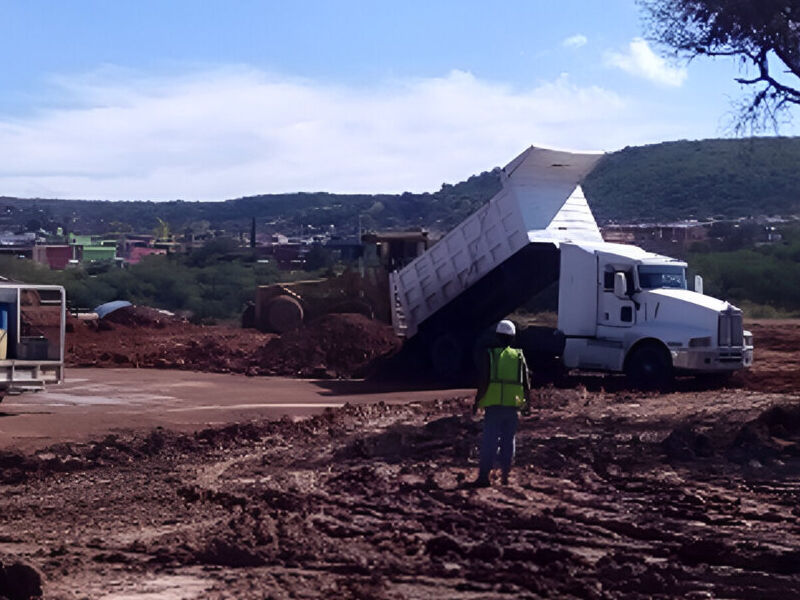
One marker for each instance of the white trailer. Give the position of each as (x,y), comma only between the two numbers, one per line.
(539,230)
(32,332)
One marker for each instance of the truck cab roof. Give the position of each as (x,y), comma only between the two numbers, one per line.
(630,253)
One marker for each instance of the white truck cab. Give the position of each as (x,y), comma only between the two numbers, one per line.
(622,308)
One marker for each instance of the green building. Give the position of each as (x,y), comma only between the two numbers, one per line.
(98,253)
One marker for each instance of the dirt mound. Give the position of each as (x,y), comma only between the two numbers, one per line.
(335,345)
(141,316)
(145,337)
(774,435)
(684,443)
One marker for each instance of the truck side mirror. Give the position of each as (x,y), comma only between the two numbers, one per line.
(620,286)
(698,284)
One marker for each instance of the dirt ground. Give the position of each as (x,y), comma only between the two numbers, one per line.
(615,494)
(333,346)
(95,402)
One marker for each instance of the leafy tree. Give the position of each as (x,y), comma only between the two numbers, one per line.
(213,251)
(764,35)
(318,258)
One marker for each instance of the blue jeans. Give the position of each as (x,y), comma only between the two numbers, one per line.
(499,429)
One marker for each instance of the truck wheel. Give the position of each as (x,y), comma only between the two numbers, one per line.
(649,367)
(447,356)
(284,313)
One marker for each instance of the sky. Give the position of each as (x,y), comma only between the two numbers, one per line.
(179,99)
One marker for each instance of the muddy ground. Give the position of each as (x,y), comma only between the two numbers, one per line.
(332,346)
(615,494)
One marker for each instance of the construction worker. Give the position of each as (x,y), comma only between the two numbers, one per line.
(503,389)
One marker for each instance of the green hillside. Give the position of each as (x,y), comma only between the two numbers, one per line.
(710,178)
(663,182)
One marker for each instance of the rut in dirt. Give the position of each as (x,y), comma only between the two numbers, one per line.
(370,502)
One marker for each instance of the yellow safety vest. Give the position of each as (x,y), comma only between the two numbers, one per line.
(505,378)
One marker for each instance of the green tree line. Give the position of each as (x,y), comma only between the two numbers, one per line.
(205,286)
(764,279)
(211,284)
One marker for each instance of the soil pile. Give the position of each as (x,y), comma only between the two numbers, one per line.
(142,316)
(773,437)
(144,339)
(335,345)
(370,502)
(776,362)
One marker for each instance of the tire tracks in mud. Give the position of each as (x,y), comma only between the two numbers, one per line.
(369,502)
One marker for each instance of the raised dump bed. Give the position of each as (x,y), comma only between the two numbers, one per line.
(497,258)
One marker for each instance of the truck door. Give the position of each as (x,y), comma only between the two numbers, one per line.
(613,311)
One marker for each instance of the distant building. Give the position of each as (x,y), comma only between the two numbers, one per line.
(345,249)
(81,240)
(88,248)
(289,256)
(394,249)
(17,244)
(97,253)
(56,257)
(665,238)
(279,239)
(137,253)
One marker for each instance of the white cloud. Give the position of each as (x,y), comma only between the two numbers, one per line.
(575,41)
(641,61)
(237,131)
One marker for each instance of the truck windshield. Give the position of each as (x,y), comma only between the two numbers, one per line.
(662,276)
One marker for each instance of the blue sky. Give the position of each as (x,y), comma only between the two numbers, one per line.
(212,100)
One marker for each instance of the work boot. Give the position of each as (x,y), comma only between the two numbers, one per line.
(480,482)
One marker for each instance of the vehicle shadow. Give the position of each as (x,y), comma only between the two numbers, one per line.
(355,387)
(619,383)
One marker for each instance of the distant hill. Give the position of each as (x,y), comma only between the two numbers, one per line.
(710,178)
(662,182)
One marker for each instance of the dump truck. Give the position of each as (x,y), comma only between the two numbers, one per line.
(32,331)
(620,308)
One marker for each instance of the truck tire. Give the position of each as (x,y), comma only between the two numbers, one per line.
(284,313)
(649,367)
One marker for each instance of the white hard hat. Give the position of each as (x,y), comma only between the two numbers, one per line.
(506,327)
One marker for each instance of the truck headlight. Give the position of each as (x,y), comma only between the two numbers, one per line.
(748,338)
(700,342)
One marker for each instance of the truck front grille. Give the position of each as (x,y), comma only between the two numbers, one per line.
(730,331)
